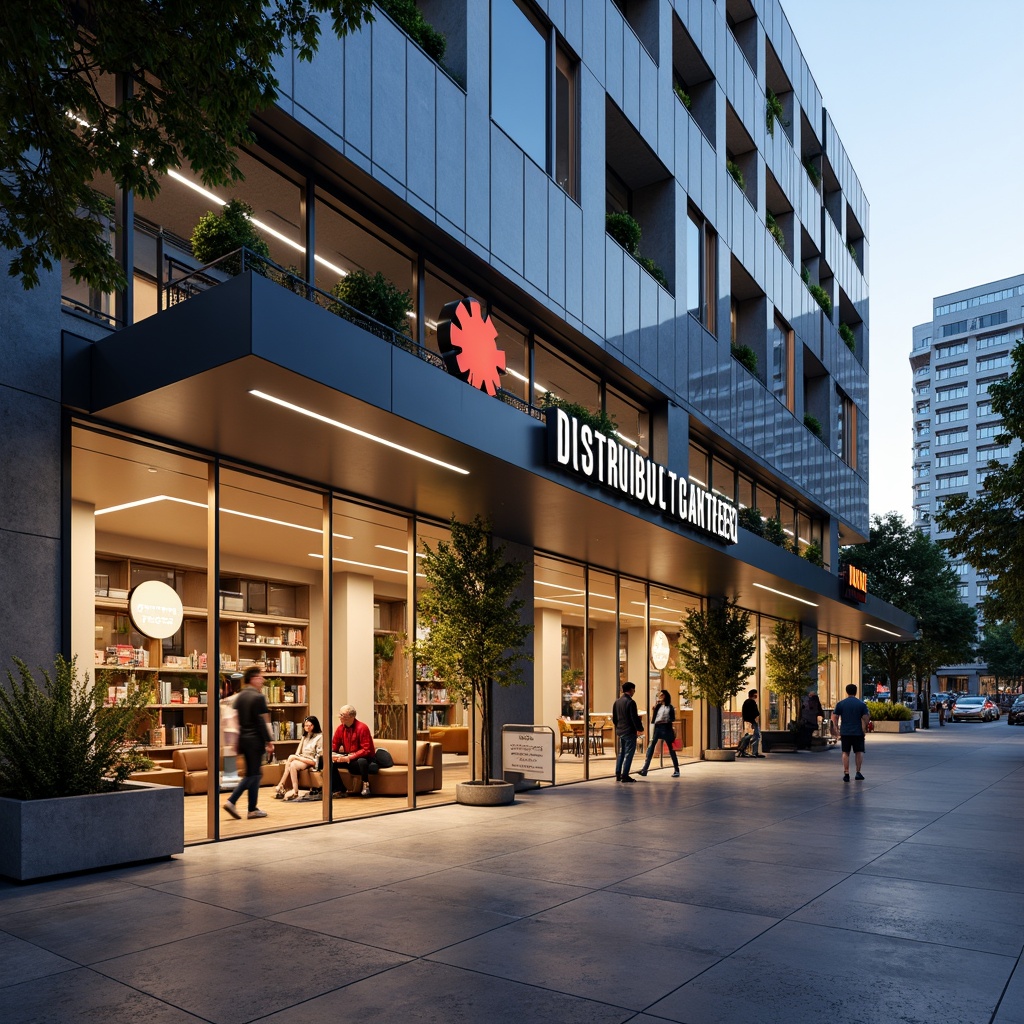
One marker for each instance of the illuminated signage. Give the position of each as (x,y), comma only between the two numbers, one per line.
(155,610)
(576,447)
(659,650)
(855,583)
(466,337)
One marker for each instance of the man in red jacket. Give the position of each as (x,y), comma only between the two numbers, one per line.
(353,747)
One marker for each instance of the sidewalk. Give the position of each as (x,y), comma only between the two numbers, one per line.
(765,891)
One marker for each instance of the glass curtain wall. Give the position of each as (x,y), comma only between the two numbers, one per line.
(271,616)
(668,610)
(139,513)
(604,668)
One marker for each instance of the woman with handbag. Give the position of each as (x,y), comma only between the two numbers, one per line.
(311,749)
(664,731)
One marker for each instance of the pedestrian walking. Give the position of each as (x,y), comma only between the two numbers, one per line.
(851,718)
(751,739)
(255,735)
(626,720)
(664,731)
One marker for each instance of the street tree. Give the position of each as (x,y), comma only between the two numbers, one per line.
(471,632)
(987,531)
(195,74)
(908,569)
(791,664)
(715,654)
(1002,654)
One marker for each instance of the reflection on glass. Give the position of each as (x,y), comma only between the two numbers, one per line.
(519,78)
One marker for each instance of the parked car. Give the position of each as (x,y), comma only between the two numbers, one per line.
(948,699)
(974,709)
(1015,716)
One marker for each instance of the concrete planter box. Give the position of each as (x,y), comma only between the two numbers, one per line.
(40,838)
(476,794)
(720,755)
(907,726)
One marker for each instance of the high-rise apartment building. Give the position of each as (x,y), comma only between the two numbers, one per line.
(638,208)
(956,357)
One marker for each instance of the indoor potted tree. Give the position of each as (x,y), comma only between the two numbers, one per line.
(472,634)
(390,712)
(66,801)
(715,649)
(219,234)
(792,668)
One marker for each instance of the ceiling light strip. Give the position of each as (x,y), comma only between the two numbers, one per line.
(880,630)
(355,430)
(782,593)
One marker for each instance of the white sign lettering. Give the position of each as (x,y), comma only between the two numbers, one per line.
(578,448)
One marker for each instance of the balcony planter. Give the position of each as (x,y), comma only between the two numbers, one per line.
(907,726)
(136,822)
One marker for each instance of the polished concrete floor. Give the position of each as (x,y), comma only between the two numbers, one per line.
(765,891)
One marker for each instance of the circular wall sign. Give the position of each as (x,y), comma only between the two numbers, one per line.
(659,650)
(155,610)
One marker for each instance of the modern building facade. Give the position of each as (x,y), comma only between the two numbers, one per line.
(277,459)
(956,357)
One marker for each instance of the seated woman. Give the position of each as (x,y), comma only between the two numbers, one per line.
(311,748)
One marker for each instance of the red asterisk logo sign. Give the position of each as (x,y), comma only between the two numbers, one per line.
(466,338)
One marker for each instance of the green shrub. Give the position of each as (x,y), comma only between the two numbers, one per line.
(821,297)
(653,269)
(407,16)
(216,235)
(377,297)
(814,555)
(775,532)
(751,520)
(773,113)
(851,250)
(812,172)
(734,170)
(805,275)
(599,421)
(846,333)
(774,230)
(813,424)
(625,230)
(746,355)
(883,711)
(62,738)
(682,95)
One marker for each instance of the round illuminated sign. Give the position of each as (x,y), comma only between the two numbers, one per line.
(659,650)
(155,610)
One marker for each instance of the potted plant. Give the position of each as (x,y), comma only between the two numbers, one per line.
(846,333)
(735,173)
(814,555)
(378,298)
(599,421)
(813,424)
(66,756)
(472,633)
(715,650)
(385,696)
(775,532)
(792,668)
(681,94)
(774,230)
(822,298)
(751,519)
(773,112)
(625,229)
(746,356)
(219,234)
(410,20)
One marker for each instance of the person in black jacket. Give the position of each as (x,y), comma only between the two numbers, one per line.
(628,727)
(751,740)
(661,729)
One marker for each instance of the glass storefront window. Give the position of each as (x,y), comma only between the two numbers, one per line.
(563,379)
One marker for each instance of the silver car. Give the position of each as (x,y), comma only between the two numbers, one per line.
(974,709)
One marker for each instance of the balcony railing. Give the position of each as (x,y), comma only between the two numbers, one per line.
(184,282)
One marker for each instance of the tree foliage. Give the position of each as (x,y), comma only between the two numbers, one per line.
(472,633)
(377,297)
(217,234)
(715,652)
(198,72)
(909,570)
(791,663)
(1001,653)
(988,531)
(62,739)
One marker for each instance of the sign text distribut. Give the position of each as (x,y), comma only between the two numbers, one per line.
(578,448)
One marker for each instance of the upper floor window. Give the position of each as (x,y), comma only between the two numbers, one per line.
(952,391)
(992,340)
(990,430)
(958,348)
(992,362)
(847,429)
(701,272)
(782,354)
(532,74)
(945,372)
(944,437)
